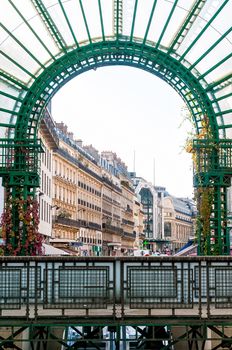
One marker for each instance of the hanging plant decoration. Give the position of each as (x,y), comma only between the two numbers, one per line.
(201,147)
(205,202)
(21,236)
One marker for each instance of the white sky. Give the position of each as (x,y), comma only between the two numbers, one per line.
(125,109)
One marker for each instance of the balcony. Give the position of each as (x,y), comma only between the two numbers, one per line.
(112,229)
(117,217)
(74,145)
(90,172)
(106,212)
(94,225)
(127,185)
(128,210)
(128,222)
(111,184)
(82,223)
(67,156)
(129,235)
(48,128)
(107,198)
(66,221)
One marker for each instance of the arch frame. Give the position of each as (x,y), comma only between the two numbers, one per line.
(115,52)
(24,178)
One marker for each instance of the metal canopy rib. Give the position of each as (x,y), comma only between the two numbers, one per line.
(17,64)
(133,20)
(220,84)
(50,24)
(58,56)
(22,46)
(118,18)
(31,29)
(149,22)
(203,30)
(166,23)
(68,23)
(101,19)
(85,21)
(215,66)
(13,80)
(11,96)
(186,26)
(223,36)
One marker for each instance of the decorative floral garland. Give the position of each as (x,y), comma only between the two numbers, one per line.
(204,134)
(203,195)
(205,202)
(25,239)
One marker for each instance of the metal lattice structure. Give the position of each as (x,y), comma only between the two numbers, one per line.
(89,303)
(185,43)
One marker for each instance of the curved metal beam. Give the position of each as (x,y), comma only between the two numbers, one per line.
(115,53)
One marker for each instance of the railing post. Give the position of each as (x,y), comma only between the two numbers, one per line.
(36,290)
(207,288)
(122,289)
(200,289)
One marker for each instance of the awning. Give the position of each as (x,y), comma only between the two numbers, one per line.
(50,250)
(62,240)
(111,244)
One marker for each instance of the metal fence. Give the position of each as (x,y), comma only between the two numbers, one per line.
(117,287)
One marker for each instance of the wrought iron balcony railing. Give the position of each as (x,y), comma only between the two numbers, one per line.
(66,221)
(112,229)
(212,155)
(196,287)
(129,234)
(75,161)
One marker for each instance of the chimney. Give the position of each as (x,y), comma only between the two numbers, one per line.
(70,135)
(63,127)
(79,143)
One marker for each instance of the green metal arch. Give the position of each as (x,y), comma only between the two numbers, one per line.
(31,76)
(99,54)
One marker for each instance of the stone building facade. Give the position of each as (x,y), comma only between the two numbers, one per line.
(91,205)
(92,201)
(44,194)
(179,218)
(77,201)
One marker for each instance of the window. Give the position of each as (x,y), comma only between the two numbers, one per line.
(167,229)
(42,181)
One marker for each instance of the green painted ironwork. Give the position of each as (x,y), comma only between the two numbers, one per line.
(168,63)
(118,17)
(17,41)
(212,177)
(86,302)
(31,28)
(101,19)
(166,23)
(133,21)
(204,29)
(85,21)
(111,335)
(49,23)
(186,26)
(19,167)
(121,53)
(149,22)
(10,79)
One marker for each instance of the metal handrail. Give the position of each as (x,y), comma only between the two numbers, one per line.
(119,287)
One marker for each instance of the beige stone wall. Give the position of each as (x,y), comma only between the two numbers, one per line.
(181,224)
